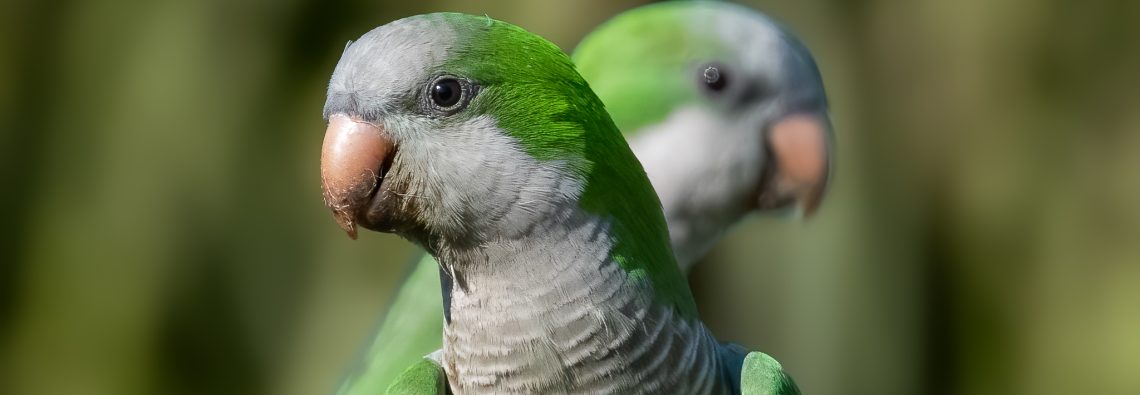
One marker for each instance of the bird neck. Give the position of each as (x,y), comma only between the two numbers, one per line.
(555,311)
(699,198)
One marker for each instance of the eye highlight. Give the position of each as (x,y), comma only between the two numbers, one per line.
(448,95)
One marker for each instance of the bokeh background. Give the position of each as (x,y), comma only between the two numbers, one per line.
(163,230)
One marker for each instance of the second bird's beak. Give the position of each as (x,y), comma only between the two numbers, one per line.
(354,157)
(799,146)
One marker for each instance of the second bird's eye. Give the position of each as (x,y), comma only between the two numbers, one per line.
(714,78)
(446,92)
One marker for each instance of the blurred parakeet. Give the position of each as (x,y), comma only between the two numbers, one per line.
(714,78)
(481,143)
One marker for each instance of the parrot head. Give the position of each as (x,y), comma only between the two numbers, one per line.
(466,129)
(728,83)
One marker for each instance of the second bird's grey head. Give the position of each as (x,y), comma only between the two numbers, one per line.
(704,87)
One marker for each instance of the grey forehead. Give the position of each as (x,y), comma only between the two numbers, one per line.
(758,41)
(388,61)
(765,47)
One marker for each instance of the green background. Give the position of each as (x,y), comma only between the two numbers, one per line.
(163,228)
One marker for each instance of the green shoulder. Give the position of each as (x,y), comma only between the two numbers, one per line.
(424,377)
(763,375)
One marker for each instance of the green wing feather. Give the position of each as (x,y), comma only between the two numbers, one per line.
(411,329)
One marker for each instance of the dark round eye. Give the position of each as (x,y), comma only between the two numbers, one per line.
(714,77)
(446,92)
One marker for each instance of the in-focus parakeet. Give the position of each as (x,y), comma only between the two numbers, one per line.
(480,142)
(649,67)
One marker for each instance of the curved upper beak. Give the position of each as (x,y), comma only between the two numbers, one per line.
(800,149)
(353,159)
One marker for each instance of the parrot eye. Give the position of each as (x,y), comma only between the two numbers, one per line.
(446,92)
(713,77)
(449,94)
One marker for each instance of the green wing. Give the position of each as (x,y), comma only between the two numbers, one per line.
(763,375)
(424,377)
(412,328)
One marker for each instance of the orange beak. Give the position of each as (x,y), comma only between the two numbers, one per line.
(353,159)
(801,155)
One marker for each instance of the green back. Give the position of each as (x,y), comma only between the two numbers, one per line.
(641,62)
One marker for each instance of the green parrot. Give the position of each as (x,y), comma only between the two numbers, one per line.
(481,143)
(649,67)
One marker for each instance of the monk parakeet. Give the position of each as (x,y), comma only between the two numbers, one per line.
(651,67)
(481,143)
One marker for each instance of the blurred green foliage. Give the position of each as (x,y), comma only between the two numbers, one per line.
(164,232)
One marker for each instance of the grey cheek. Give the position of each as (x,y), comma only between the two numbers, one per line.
(752,92)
